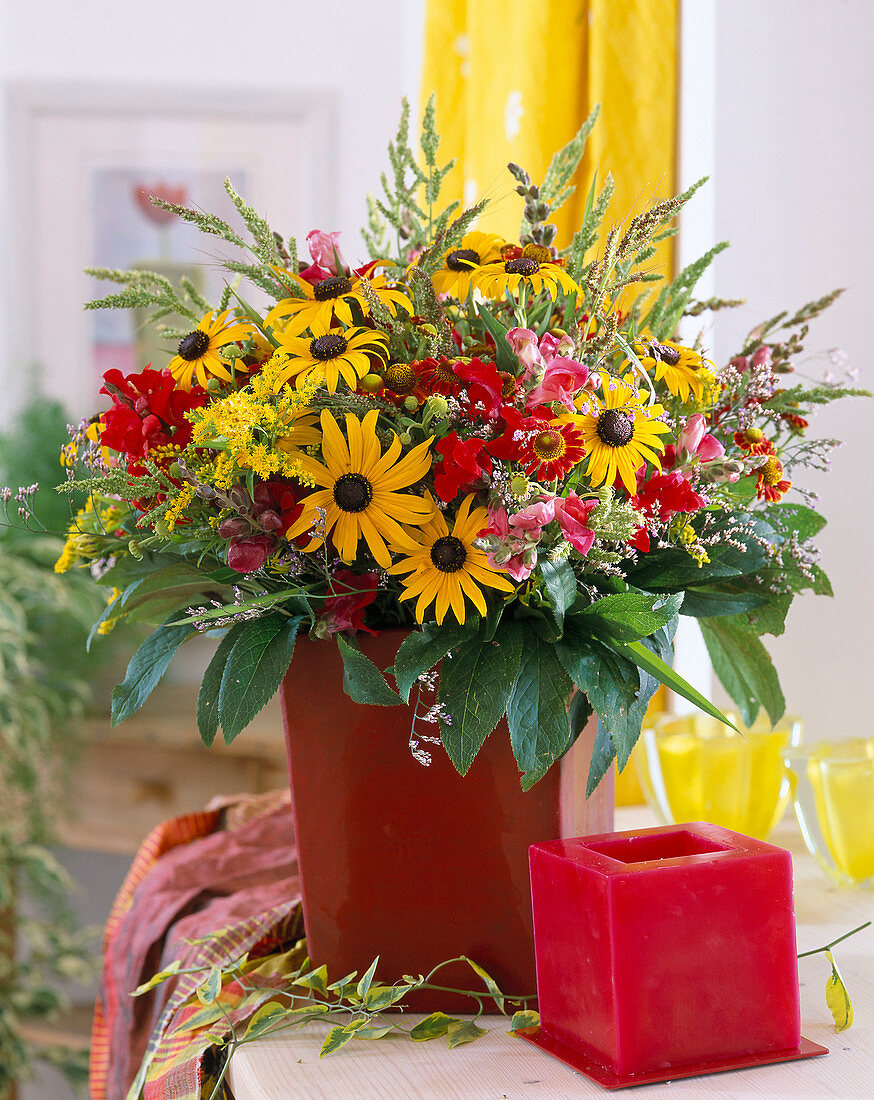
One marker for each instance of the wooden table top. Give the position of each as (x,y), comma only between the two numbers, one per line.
(502,1067)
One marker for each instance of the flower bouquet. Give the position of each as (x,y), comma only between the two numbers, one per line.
(503,446)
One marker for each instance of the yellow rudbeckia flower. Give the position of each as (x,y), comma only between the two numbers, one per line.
(359,490)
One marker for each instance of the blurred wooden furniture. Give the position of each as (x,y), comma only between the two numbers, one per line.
(153,767)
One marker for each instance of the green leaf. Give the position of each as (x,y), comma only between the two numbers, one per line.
(537,711)
(837,998)
(208,714)
(265,1019)
(504,355)
(526,1018)
(362,680)
(146,668)
(422,649)
(489,982)
(156,979)
(337,1037)
(561,584)
(656,667)
(707,603)
(603,755)
(628,616)
(380,997)
(375,1032)
(474,689)
(366,979)
(315,979)
(742,664)
(208,992)
(463,1031)
(795,519)
(432,1027)
(255,666)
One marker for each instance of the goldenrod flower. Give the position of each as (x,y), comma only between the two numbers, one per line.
(456,264)
(620,433)
(317,306)
(494,280)
(333,353)
(681,368)
(359,490)
(447,567)
(198,353)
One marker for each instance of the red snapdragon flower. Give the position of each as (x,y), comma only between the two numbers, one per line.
(463,462)
(147,412)
(344,610)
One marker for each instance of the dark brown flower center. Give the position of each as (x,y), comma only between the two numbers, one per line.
(331,288)
(667,354)
(462,259)
(399,378)
(352,492)
(327,347)
(448,554)
(615,428)
(523,266)
(193,345)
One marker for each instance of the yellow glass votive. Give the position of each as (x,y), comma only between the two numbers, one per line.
(833,792)
(695,768)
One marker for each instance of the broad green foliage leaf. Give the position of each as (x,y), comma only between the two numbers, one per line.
(525,1018)
(537,711)
(380,997)
(796,519)
(463,1031)
(255,666)
(422,649)
(603,755)
(362,680)
(561,584)
(709,602)
(146,668)
(474,688)
(432,1027)
(675,570)
(376,1032)
(490,983)
(208,716)
(336,1038)
(627,616)
(837,998)
(743,666)
(156,979)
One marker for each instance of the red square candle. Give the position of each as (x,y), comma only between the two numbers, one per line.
(664,948)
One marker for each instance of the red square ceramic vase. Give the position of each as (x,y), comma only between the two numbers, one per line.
(664,948)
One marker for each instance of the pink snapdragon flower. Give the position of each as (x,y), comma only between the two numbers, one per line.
(325,251)
(695,441)
(572,514)
(549,373)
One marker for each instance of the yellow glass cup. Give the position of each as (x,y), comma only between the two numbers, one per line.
(833,792)
(695,768)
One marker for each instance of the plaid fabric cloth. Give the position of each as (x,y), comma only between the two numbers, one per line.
(193,879)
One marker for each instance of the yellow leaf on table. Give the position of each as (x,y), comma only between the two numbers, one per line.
(837,997)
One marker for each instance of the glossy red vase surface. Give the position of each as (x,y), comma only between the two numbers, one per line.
(416,864)
(666,948)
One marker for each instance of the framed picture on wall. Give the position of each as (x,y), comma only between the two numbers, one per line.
(85,160)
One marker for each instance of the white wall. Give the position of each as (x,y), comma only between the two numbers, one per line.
(793,165)
(365,56)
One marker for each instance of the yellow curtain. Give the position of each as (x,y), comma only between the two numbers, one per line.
(515,80)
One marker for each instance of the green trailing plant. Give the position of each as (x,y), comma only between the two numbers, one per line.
(44,689)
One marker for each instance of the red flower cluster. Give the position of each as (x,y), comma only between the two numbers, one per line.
(147,412)
(463,462)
